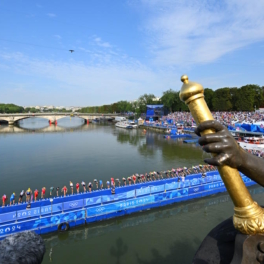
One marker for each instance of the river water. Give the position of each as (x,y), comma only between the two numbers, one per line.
(35,154)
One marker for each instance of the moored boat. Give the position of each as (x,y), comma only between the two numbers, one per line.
(123,125)
(249,140)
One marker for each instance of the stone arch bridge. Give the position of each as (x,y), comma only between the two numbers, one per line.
(52,117)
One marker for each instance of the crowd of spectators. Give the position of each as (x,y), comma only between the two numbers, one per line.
(226,118)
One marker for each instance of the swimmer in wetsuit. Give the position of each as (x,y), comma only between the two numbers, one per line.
(71,185)
(57,190)
(4,198)
(138,177)
(36,193)
(90,186)
(134,178)
(101,184)
(129,180)
(64,190)
(96,183)
(124,180)
(28,194)
(108,184)
(51,190)
(118,181)
(77,187)
(84,186)
(21,195)
(143,179)
(12,198)
(43,191)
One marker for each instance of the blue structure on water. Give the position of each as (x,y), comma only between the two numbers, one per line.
(48,215)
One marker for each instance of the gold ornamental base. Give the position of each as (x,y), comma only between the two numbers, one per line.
(249,220)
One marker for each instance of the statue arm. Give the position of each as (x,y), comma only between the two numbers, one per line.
(226,151)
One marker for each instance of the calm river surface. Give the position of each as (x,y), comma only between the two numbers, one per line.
(35,154)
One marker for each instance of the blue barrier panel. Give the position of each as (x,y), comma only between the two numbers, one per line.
(181,184)
(203,180)
(178,193)
(171,186)
(186,183)
(92,200)
(209,179)
(158,188)
(196,189)
(246,179)
(160,197)
(59,218)
(56,208)
(213,185)
(16,227)
(131,194)
(143,191)
(217,177)
(109,208)
(45,209)
(73,205)
(112,198)
(28,213)
(195,181)
(8,217)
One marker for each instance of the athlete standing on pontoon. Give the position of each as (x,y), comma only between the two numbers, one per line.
(57,190)
(101,184)
(64,190)
(90,186)
(96,183)
(77,187)
(71,185)
(12,198)
(4,198)
(36,193)
(28,194)
(84,186)
(21,195)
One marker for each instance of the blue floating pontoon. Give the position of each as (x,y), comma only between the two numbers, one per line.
(49,215)
(178,136)
(195,140)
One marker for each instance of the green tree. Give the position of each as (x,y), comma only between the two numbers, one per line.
(143,101)
(170,99)
(234,92)
(208,96)
(222,100)
(248,97)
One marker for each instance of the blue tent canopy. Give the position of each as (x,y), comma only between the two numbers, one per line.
(252,128)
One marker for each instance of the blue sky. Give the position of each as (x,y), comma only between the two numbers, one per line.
(124,49)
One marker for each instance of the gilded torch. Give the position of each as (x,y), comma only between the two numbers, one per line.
(248,215)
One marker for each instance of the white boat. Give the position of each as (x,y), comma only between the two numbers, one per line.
(249,140)
(133,124)
(253,143)
(123,125)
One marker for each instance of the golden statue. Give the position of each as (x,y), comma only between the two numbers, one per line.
(248,215)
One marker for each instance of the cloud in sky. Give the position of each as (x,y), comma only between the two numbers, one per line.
(114,81)
(201,31)
(51,15)
(100,43)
